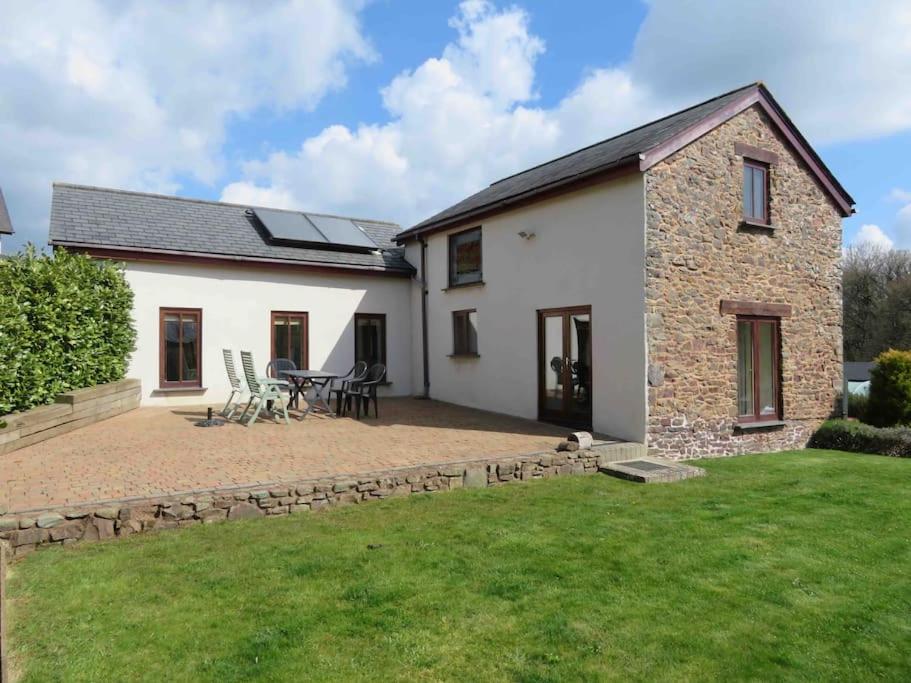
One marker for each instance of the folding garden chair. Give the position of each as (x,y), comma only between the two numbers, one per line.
(236,388)
(262,390)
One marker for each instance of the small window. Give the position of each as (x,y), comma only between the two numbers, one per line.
(465,257)
(290,337)
(370,338)
(179,338)
(758,351)
(465,333)
(755,192)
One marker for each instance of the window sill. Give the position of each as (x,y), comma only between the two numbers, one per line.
(179,390)
(464,355)
(479,283)
(753,224)
(761,424)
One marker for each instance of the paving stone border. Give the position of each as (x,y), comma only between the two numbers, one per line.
(70,411)
(24,532)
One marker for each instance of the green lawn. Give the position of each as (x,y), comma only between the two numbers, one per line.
(787,566)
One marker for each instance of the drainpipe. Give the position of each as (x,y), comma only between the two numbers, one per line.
(424,290)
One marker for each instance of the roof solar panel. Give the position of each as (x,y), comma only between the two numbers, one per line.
(314,230)
(286,225)
(341,231)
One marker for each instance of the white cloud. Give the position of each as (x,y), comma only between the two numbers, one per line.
(874,236)
(138,94)
(465,118)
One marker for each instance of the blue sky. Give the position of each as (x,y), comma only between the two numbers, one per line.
(393,108)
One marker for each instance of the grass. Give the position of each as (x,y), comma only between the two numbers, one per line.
(774,567)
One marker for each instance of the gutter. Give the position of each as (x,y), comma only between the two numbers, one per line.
(424,291)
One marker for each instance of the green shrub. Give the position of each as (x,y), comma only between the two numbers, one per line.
(890,389)
(845,435)
(857,406)
(65,323)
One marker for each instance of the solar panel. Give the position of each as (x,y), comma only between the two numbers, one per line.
(341,231)
(314,230)
(285,225)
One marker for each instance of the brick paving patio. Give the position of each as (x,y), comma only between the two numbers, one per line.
(158,451)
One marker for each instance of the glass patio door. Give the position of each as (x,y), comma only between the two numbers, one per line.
(564,366)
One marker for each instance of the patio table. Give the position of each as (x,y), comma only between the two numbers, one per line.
(313,379)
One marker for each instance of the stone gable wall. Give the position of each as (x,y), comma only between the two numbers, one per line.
(697,253)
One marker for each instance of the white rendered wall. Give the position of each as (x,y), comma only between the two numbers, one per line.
(237,302)
(588,249)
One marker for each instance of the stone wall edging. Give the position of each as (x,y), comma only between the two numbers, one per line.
(64,526)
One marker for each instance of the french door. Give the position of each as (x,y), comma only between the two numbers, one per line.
(565,366)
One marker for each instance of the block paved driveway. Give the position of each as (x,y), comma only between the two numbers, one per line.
(158,451)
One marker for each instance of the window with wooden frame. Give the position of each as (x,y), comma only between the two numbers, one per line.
(180,345)
(465,257)
(755,191)
(370,338)
(465,333)
(289,334)
(758,379)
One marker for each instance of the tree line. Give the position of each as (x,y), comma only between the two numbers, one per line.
(877,301)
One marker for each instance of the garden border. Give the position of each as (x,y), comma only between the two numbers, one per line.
(65,525)
(71,410)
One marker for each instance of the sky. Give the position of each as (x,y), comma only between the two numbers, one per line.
(394,109)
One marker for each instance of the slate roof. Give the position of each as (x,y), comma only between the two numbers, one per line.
(856,371)
(620,151)
(6,225)
(101,218)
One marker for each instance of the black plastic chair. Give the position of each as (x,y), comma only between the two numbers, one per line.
(340,384)
(364,391)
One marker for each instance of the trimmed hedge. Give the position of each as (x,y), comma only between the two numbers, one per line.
(845,435)
(890,389)
(65,323)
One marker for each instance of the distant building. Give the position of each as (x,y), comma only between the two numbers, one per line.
(6,226)
(857,375)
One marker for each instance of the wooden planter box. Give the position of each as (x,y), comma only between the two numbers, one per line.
(72,410)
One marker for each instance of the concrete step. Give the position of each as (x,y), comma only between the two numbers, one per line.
(646,470)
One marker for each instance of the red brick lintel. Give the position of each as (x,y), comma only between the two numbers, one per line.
(755,308)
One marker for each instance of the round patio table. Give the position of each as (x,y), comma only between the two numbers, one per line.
(315,380)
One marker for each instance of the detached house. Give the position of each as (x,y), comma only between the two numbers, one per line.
(678,285)
(6,226)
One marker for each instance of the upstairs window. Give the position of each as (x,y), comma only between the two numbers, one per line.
(179,351)
(465,257)
(758,351)
(755,192)
(370,338)
(465,333)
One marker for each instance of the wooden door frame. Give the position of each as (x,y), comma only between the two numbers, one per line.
(305,315)
(566,313)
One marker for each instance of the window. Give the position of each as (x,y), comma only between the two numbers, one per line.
(465,333)
(370,338)
(180,333)
(755,191)
(758,350)
(465,257)
(289,337)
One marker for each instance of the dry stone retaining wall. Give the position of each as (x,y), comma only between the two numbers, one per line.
(699,253)
(25,532)
(71,410)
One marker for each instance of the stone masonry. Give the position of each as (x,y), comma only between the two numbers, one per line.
(698,253)
(23,532)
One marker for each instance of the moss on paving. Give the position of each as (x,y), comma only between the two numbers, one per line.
(784,566)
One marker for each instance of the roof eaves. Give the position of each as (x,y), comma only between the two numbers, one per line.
(540,192)
(406,268)
(761,96)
